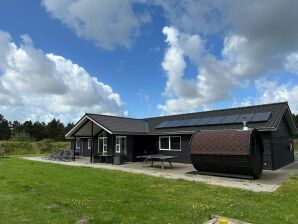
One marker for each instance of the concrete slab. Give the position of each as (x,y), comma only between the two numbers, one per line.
(269,182)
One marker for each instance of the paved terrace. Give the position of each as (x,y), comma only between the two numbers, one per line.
(269,181)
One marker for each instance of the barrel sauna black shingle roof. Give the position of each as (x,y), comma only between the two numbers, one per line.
(132,126)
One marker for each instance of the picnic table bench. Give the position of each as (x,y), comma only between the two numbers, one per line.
(157,157)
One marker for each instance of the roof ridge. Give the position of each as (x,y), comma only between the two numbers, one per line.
(225,109)
(106,115)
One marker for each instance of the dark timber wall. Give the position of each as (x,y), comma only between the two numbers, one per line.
(281,140)
(184,154)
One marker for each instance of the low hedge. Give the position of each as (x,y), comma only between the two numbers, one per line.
(31,147)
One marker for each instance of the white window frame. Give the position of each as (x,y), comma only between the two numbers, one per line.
(89,143)
(78,146)
(169,139)
(104,148)
(118,148)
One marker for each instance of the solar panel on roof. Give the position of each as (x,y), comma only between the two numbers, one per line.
(216,120)
(263,116)
(230,119)
(248,118)
(162,124)
(180,123)
(203,121)
(172,123)
(191,122)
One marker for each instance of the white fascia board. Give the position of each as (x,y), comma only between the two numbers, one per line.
(67,136)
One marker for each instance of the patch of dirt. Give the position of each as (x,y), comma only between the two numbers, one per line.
(28,189)
(53,206)
(84,220)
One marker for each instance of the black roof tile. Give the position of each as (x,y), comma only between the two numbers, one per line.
(125,125)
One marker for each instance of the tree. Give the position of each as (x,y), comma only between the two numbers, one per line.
(68,127)
(28,127)
(15,127)
(38,131)
(55,130)
(4,128)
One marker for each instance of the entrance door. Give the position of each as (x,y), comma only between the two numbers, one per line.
(121,146)
(102,145)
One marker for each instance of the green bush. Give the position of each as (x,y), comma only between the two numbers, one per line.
(21,136)
(32,147)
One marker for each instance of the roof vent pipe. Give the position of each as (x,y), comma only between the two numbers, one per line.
(244,124)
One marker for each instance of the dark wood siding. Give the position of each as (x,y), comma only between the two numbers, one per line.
(143,145)
(183,155)
(281,140)
(267,144)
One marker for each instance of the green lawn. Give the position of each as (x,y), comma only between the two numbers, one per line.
(27,189)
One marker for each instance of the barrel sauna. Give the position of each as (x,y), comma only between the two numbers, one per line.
(228,152)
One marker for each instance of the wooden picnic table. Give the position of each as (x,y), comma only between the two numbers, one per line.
(158,157)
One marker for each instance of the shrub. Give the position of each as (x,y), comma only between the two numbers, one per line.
(33,147)
(21,136)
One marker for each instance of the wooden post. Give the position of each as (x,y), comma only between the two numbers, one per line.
(91,158)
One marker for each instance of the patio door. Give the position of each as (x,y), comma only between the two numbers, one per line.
(102,145)
(121,147)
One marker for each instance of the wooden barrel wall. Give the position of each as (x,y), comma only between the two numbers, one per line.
(238,152)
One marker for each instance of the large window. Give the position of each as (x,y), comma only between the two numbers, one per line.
(89,143)
(102,145)
(78,143)
(170,143)
(120,143)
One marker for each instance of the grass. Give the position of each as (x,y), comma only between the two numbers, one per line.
(31,147)
(28,188)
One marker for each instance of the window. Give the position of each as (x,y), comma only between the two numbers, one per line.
(78,143)
(118,144)
(164,143)
(89,143)
(105,145)
(102,145)
(175,143)
(170,143)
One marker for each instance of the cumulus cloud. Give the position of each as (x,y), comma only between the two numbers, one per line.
(257,39)
(213,81)
(271,91)
(39,86)
(107,23)
(261,43)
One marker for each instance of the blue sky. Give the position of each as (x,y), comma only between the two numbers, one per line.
(144,58)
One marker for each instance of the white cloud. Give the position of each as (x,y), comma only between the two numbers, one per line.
(270,91)
(212,83)
(263,42)
(292,62)
(40,86)
(107,23)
